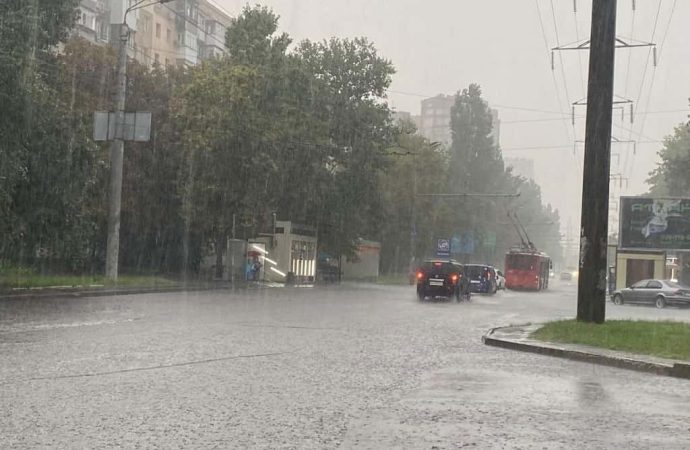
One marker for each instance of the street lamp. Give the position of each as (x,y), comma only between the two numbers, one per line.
(117,147)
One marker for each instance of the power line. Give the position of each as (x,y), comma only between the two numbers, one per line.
(627,71)
(579,56)
(553,75)
(553,119)
(222,9)
(560,55)
(661,47)
(562,146)
(644,76)
(493,105)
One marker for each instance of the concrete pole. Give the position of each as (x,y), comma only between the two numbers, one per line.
(117,148)
(591,296)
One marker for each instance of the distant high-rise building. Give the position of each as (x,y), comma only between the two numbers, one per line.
(435,118)
(401,116)
(434,122)
(523,167)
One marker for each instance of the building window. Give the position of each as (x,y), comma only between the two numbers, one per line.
(157,58)
(167,62)
(168,35)
(158,30)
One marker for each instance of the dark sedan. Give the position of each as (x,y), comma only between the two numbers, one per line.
(656,292)
(438,278)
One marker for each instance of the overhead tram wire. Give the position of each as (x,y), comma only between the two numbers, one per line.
(553,75)
(668,111)
(495,105)
(627,70)
(565,82)
(661,48)
(644,77)
(625,92)
(561,146)
(560,55)
(583,85)
(535,110)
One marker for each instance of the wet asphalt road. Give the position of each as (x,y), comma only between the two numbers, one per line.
(354,366)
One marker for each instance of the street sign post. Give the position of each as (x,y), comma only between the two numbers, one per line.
(443,248)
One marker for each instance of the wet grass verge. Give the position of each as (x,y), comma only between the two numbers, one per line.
(28,281)
(664,339)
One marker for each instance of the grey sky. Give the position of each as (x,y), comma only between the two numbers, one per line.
(440,46)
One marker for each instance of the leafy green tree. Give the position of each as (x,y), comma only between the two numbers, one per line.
(353,80)
(28,31)
(408,228)
(152,229)
(476,167)
(45,162)
(243,119)
(251,38)
(670,178)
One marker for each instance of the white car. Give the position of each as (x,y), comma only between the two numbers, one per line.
(500,280)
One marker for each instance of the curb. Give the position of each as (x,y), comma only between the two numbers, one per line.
(103,293)
(80,293)
(670,369)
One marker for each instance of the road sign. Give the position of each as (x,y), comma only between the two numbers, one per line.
(443,248)
(135,127)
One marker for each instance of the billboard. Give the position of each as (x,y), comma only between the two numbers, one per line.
(655,223)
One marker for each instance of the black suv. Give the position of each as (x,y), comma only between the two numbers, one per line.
(439,278)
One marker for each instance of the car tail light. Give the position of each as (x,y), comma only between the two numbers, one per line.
(420,275)
(454,278)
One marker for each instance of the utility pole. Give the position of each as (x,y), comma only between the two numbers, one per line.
(413,213)
(117,147)
(591,296)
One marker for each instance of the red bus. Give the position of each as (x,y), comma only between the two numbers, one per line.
(527,269)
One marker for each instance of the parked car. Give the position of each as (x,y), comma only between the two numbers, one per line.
(439,278)
(656,292)
(566,276)
(482,278)
(500,280)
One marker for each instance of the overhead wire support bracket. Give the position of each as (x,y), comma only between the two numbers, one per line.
(614,140)
(620,43)
(575,5)
(618,104)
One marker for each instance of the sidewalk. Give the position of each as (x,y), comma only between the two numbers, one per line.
(517,338)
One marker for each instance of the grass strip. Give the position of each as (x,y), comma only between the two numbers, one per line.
(665,339)
(25,281)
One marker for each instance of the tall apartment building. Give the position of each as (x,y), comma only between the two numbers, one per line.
(182,32)
(434,121)
(93,22)
(435,118)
